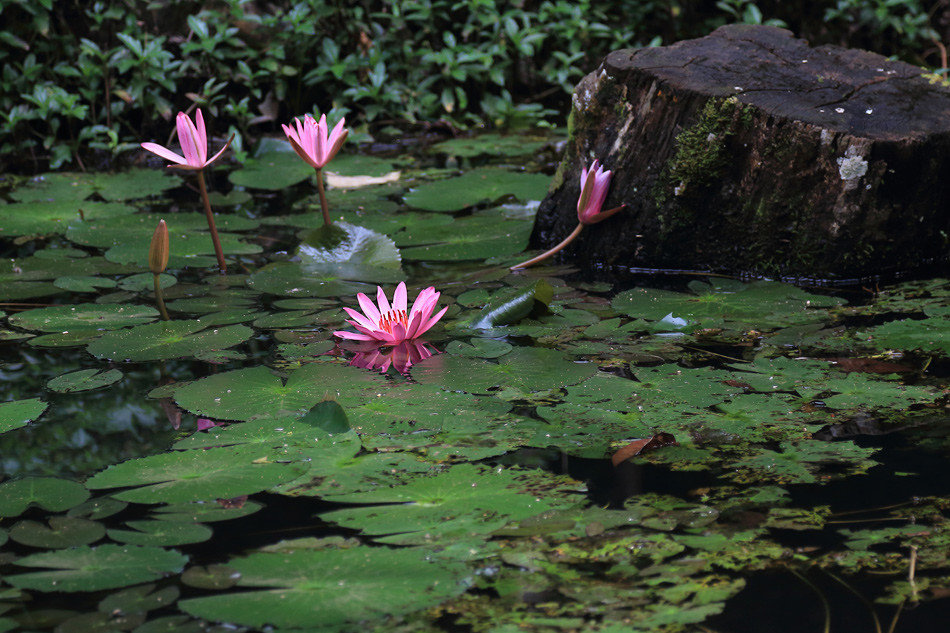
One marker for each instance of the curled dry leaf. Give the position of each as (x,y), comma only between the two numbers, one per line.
(636,447)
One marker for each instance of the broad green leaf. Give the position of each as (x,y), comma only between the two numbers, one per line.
(50,493)
(181,477)
(513,304)
(331,587)
(96,568)
(524,369)
(83,316)
(162,533)
(18,413)
(477,186)
(166,339)
(84,380)
(63,531)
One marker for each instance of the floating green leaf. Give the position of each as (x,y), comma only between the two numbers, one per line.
(513,304)
(477,186)
(63,531)
(332,587)
(83,316)
(84,380)
(489,144)
(463,501)
(96,568)
(475,237)
(166,339)
(19,413)
(163,533)
(524,369)
(180,477)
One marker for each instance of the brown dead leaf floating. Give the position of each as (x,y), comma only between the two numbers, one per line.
(636,447)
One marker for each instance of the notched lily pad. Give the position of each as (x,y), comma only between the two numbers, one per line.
(19,413)
(477,186)
(167,339)
(84,380)
(87,568)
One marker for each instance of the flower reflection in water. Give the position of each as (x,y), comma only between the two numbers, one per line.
(373,355)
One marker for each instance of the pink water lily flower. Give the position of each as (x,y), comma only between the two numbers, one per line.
(194,144)
(594,185)
(312,142)
(392,324)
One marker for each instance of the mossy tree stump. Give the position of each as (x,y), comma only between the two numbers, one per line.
(747,151)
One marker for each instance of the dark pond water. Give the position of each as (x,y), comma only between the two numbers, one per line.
(801,484)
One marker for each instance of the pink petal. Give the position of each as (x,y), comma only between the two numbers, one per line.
(432,321)
(420,301)
(399,297)
(414,323)
(359,318)
(220,151)
(382,300)
(202,139)
(353,336)
(399,333)
(188,139)
(369,309)
(320,147)
(165,153)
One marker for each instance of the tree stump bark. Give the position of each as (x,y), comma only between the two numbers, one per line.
(749,152)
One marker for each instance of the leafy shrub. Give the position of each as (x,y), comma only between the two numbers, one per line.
(83,81)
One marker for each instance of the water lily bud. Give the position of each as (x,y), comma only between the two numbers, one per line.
(158,251)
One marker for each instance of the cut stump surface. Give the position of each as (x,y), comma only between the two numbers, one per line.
(747,151)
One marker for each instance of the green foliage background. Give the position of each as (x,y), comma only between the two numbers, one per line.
(86,81)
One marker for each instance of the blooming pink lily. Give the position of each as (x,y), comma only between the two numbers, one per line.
(194,144)
(392,324)
(594,185)
(311,141)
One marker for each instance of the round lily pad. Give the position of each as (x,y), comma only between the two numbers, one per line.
(83,316)
(476,237)
(477,186)
(180,477)
(50,493)
(332,586)
(295,280)
(84,283)
(523,368)
(164,533)
(19,413)
(63,531)
(166,339)
(84,380)
(32,218)
(95,568)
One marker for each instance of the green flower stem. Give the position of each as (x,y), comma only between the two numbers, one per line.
(158,297)
(214,231)
(323,199)
(543,256)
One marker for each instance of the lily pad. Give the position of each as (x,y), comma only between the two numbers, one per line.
(331,587)
(96,568)
(524,369)
(163,533)
(490,144)
(166,339)
(299,280)
(63,531)
(464,501)
(38,218)
(50,493)
(84,380)
(83,316)
(181,477)
(273,171)
(477,186)
(18,413)
(475,237)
